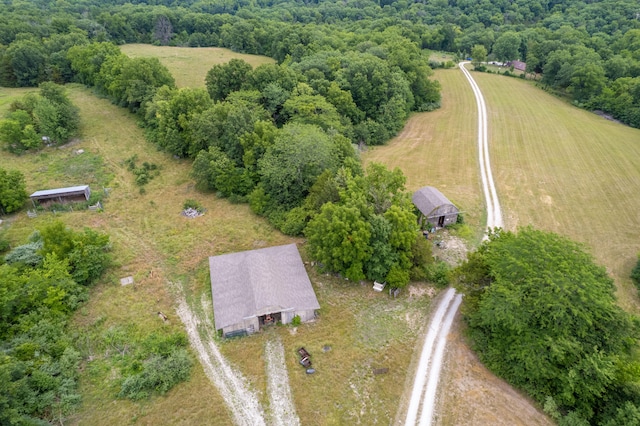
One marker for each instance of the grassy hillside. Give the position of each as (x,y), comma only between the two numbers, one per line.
(189,65)
(566,170)
(161,249)
(440,149)
(556,167)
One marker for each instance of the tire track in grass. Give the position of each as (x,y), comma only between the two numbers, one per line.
(283,412)
(242,402)
(423,396)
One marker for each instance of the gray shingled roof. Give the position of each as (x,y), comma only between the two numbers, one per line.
(59,191)
(258,282)
(432,202)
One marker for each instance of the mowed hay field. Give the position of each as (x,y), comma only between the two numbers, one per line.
(566,170)
(362,330)
(189,65)
(556,168)
(439,149)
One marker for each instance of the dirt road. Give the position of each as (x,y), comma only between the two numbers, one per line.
(423,395)
(494,213)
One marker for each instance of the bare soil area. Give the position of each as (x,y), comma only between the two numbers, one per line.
(472,395)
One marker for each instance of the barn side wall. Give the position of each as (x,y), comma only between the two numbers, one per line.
(306,315)
(450,212)
(250,325)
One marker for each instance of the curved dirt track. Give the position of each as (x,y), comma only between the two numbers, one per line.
(423,395)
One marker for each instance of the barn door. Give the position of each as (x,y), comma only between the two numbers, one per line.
(441,221)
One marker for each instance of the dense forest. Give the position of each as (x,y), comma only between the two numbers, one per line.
(587,51)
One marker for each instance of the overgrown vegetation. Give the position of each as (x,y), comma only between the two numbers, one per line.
(635,274)
(35,120)
(13,192)
(43,282)
(543,315)
(143,173)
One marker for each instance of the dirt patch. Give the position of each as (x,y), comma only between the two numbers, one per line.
(449,248)
(417,291)
(471,395)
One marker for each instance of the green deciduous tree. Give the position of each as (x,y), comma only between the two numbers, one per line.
(506,47)
(223,79)
(289,168)
(13,191)
(339,238)
(543,316)
(478,55)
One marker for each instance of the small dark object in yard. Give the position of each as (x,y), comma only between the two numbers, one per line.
(162,316)
(326,348)
(377,371)
(310,370)
(305,358)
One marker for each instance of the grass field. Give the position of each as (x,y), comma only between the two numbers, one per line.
(556,168)
(567,170)
(189,65)
(439,149)
(161,249)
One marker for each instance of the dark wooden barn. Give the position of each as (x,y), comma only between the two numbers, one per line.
(434,207)
(61,195)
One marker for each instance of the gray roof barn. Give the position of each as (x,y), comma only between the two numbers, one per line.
(251,285)
(71,193)
(434,206)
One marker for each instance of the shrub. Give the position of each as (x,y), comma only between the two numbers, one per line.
(295,321)
(192,204)
(439,273)
(159,374)
(635,274)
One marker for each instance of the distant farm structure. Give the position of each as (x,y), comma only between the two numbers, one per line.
(434,207)
(61,195)
(518,65)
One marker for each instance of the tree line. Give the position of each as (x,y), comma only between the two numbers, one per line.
(585,50)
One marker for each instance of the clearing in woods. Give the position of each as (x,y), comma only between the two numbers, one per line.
(189,65)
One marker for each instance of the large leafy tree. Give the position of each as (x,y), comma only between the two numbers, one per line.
(169,118)
(506,47)
(543,315)
(290,166)
(379,199)
(223,79)
(339,238)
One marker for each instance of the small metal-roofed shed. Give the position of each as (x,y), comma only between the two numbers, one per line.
(434,207)
(254,288)
(61,195)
